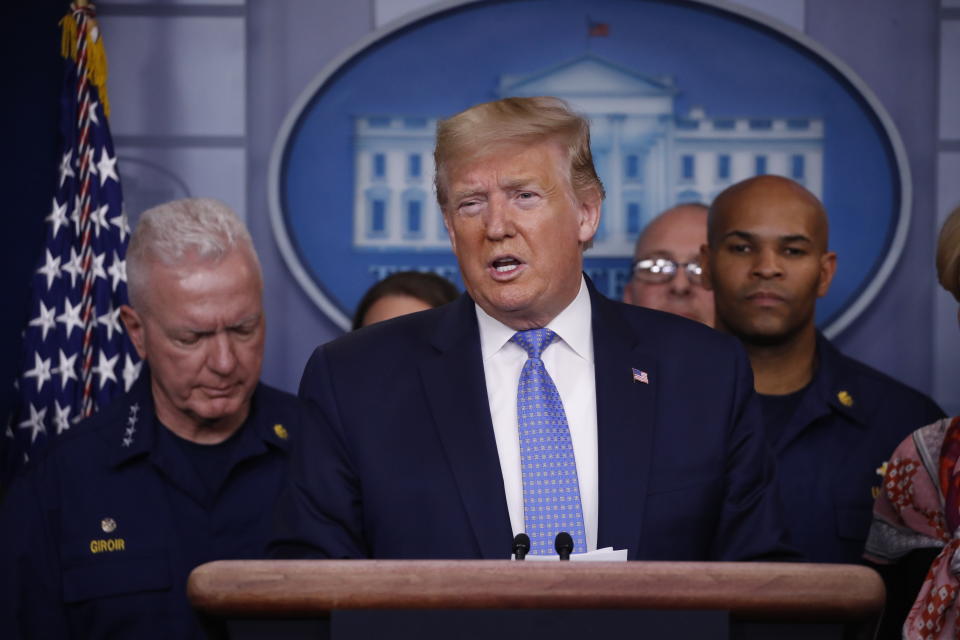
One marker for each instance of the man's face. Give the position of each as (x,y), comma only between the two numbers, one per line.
(201,329)
(767,263)
(676,235)
(517,228)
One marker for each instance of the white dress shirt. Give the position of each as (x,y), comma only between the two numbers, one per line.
(569,361)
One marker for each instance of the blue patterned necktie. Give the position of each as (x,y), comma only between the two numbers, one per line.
(551,492)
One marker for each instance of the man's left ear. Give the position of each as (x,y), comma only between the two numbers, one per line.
(134,324)
(589,217)
(828,267)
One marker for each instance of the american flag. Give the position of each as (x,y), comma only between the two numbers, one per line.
(76,356)
(640,376)
(597,29)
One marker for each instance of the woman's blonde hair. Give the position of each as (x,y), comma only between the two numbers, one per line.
(948,254)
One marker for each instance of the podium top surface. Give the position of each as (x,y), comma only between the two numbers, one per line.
(749,590)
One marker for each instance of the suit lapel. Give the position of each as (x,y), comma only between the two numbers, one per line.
(626,415)
(456,391)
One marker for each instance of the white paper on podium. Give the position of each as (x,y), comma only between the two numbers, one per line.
(607,554)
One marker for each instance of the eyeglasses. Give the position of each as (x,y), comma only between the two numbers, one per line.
(662,270)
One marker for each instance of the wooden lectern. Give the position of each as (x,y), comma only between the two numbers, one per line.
(820,600)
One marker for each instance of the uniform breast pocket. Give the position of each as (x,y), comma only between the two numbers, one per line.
(116,573)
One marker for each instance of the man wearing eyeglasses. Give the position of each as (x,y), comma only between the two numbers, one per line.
(666,265)
(831,421)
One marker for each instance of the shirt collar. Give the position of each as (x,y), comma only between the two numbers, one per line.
(572,325)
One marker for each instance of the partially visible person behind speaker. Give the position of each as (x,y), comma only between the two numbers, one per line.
(99,537)
(401,293)
(915,536)
(665,274)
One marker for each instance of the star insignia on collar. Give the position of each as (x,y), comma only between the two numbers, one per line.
(281,431)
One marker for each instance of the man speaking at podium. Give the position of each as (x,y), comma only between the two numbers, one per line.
(533,403)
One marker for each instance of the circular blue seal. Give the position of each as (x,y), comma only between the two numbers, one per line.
(684,98)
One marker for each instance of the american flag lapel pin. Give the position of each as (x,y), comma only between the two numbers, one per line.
(640,376)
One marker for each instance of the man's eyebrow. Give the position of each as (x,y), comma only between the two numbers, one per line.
(251,319)
(736,233)
(750,237)
(519,183)
(468,193)
(193,331)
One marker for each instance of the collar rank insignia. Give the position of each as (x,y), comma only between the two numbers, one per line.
(131,425)
(280,431)
(845,398)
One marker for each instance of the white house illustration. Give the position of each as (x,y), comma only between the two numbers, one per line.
(648,157)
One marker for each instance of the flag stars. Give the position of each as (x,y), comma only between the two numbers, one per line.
(57,217)
(50,269)
(111,320)
(73,266)
(120,222)
(67,369)
(98,270)
(107,167)
(66,167)
(61,418)
(87,164)
(93,112)
(105,369)
(70,316)
(99,219)
(117,271)
(131,371)
(35,423)
(75,215)
(46,320)
(40,371)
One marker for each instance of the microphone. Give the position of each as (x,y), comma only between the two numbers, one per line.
(564,545)
(521,545)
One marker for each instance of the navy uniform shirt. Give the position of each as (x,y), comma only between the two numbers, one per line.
(831,452)
(99,537)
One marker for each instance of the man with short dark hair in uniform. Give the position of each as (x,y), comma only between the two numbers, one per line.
(100,535)
(832,421)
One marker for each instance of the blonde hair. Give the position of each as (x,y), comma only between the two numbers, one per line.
(517,121)
(948,254)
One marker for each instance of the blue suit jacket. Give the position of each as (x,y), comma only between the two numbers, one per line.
(398,457)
